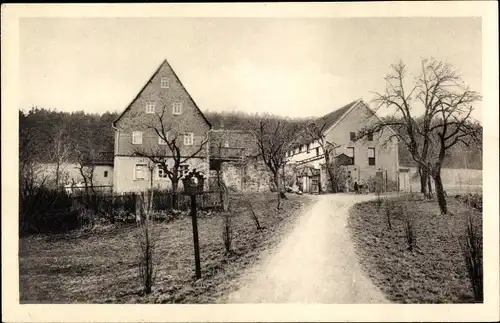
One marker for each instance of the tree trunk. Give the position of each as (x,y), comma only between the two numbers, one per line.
(330,171)
(58,166)
(424,174)
(440,192)
(429,186)
(276,180)
(175,199)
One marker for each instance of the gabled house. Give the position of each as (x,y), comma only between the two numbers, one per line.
(163,95)
(371,157)
(231,152)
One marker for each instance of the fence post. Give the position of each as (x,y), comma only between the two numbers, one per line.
(195,237)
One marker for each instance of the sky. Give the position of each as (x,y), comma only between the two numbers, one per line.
(297,67)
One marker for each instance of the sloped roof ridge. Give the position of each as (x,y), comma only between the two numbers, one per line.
(165,61)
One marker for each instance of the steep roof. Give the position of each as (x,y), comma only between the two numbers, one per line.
(325,122)
(331,118)
(164,63)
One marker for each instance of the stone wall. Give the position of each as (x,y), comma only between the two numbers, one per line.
(247,176)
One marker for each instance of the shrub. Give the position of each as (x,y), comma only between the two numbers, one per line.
(46,210)
(409,229)
(227,232)
(388,206)
(146,265)
(473,200)
(472,249)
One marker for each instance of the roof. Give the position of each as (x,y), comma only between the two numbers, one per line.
(101,158)
(164,63)
(233,139)
(326,122)
(331,118)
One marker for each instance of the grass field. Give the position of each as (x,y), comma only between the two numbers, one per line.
(102,267)
(435,272)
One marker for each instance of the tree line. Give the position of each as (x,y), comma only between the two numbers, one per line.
(94,130)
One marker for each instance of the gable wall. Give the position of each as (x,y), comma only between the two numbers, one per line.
(386,156)
(135,118)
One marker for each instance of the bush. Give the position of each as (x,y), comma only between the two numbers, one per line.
(409,229)
(472,249)
(45,210)
(474,200)
(388,206)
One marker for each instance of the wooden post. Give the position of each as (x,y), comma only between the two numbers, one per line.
(195,237)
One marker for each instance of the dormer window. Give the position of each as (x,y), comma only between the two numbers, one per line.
(150,107)
(165,84)
(177,108)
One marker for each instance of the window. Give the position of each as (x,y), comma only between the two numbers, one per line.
(183,169)
(317,151)
(350,153)
(177,107)
(308,147)
(137,137)
(226,144)
(352,136)
(140,172)
(105,173)
(150,107)
(371,156)
(161,172)
(164,83)
(188,139)
(370,136)
(161,141)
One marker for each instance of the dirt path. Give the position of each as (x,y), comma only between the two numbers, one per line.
(315,263)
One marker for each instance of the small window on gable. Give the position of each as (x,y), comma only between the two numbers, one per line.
(317,151)
(105,173)
(188,139)
(150,107)
(352,136)
(137,137)
(370,136)
(177,108)
(165,84)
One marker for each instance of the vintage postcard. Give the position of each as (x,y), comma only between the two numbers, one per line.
(250,162)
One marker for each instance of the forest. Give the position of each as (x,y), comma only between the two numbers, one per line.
(91,130)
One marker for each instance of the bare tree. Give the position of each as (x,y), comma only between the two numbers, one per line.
(60,150)
(172,153)
(274,139)
(446,104)
(86,166)
(316,132)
